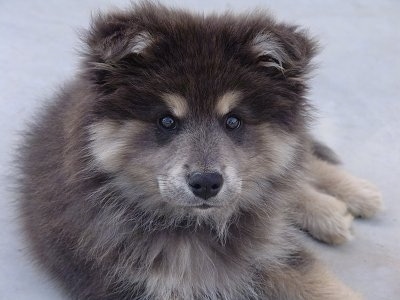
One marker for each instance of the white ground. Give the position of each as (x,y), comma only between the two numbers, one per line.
(356,89)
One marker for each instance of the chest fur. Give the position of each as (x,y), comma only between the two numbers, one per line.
(187,268)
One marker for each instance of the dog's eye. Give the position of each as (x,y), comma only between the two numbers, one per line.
(167,122)
(232,122)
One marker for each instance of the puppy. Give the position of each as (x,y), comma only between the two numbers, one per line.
(177,161)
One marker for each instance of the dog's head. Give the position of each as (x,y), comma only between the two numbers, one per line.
(196,115)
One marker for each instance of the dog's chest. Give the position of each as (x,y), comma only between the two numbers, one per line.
(188,268)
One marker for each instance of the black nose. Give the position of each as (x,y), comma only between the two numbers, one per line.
(205,185)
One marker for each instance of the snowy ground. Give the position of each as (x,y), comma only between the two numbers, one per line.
(356,89)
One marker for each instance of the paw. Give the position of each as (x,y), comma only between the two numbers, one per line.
(363,199)
(328,220)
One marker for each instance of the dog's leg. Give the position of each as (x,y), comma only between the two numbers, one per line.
(305,278)
(323,216)
(362,198)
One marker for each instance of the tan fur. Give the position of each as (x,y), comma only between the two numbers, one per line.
(227,102)
(362,198)
(328,200)
(323,216)
(109,139)
(177,104)
(314,282)
(282,147)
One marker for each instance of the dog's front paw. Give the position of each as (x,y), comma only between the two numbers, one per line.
(327,219)
(363,199)
(331,222)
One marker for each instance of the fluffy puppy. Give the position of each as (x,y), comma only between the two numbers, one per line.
(174,164)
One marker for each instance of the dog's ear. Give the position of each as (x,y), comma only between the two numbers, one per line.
(115,36)
(286,49)
(114,41)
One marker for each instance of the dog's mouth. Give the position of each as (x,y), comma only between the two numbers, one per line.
(204,206)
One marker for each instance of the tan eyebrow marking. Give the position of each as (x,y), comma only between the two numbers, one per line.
(227,102)
(177,104)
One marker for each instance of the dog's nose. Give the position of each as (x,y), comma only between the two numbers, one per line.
(205,185)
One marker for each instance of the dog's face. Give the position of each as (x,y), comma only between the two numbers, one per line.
(196,115)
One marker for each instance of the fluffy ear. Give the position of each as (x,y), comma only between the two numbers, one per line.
(112,40)
(116,35)
(286,49)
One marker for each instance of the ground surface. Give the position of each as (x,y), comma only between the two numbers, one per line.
(356,89)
